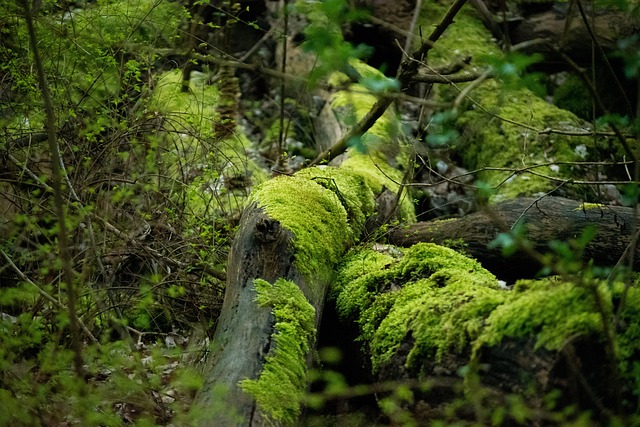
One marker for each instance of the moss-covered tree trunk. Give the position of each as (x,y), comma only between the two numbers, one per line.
(292,236)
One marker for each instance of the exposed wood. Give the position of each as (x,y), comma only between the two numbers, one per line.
(262,248)
(561,26)
(547,219)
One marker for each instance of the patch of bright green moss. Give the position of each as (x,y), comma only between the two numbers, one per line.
(550,310)
(438,301)
(585,206)
(440,318)
(432,295)
(188,111)
(553,311)
(496,142)
(354,102)
(283,381)
(354,191)
(378,174)
(467,36)
(356,285)
(326,208)
(192,115)
(314,214)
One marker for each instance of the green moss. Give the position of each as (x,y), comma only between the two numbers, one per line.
(379,175)
(191,116)
(467,36)
(283,381)
(356,285)
(585,206)
(432,295)
(492,139)
(354,192)
(314,214)
(432,301)
(439,318)
(342,200)
(553,311)
(550,310)
(188,111)
(573,95)
(496,142)
(352,104)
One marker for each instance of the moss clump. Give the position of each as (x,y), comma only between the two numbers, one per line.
(585,206)
(314,215)
(353,104)
(467,36)
(326,209)
(188,111)
(433,307)
(548,309)
(554,311)
(354,192)
(432,297)
(498,142)
(283,381)
(493,134)
(379,175)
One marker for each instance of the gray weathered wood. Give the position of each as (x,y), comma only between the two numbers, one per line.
(547,219)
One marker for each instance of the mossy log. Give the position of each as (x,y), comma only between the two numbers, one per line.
(261,249)
(292,234)
(441,323)
(425,314)
(547,219)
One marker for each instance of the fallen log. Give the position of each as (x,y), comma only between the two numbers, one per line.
(434,321)
(547,219)
(292,235)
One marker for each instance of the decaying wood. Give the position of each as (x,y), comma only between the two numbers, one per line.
(263,249)
(547,219)
(561,26)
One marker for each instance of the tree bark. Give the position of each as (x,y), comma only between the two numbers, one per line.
(261,249)
(547,219)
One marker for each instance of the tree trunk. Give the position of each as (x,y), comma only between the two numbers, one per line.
(261,249)
(546,219)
